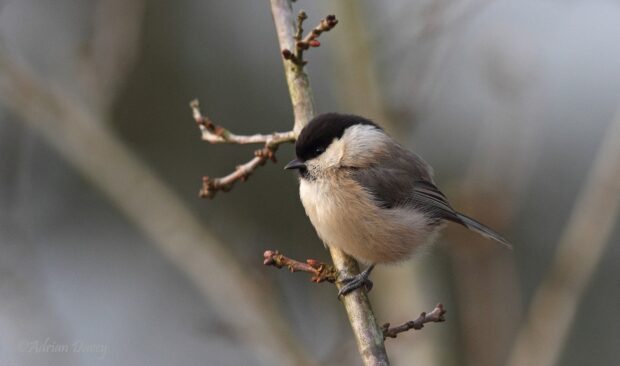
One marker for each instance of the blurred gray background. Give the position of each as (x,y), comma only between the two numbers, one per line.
(108,257)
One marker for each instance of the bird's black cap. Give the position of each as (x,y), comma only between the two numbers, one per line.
(322,130)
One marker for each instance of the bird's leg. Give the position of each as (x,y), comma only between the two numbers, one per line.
(353,283)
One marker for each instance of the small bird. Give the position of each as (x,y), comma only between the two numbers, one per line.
(369,196)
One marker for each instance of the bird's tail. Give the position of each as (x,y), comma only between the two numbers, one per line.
(474,225)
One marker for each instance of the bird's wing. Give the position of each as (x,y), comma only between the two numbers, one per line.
(404,179)
(393,179)
(410,184)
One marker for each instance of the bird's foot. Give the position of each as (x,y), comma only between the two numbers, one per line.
(350,284)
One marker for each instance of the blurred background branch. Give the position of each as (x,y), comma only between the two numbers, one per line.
(551,314)
(113,50)
(80,133)
(359,88)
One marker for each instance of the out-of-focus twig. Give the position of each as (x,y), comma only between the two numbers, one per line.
(113,49)
(435,316)
(552,310)
(320,271)
(508,140)
(85,141)
(359,88)
(355,78)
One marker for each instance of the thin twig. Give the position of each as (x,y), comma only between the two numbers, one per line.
(320,271)
(210,186)
(310,40)
(301,17)
(435,316)
(216,134)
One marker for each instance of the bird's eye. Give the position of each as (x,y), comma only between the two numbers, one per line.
(319,150)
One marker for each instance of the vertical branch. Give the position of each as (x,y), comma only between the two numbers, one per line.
(297,79)
(368,334)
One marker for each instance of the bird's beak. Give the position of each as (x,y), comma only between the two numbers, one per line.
(295,164)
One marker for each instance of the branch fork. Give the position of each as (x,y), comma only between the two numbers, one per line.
(310,40)
(322,272)
(216,134)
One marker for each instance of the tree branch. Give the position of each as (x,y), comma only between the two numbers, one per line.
(320,271)
(435,316)
(297,80)
(242,172)
(216,134)
(368,335)
(310,40)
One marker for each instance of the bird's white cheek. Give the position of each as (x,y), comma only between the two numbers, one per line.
(333,155)
(327,161)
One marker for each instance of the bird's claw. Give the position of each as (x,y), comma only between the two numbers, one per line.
(350,284)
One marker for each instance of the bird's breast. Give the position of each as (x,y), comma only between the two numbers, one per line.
(345,216)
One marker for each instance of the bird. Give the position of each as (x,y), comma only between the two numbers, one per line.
(369,196)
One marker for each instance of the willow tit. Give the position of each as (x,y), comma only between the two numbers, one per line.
(367,195)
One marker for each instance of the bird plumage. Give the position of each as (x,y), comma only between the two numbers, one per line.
(368,195)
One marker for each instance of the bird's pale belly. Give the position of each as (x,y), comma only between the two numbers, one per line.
(346,217)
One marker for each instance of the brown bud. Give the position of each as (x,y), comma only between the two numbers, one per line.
(269,257)
(302,45)
(313,263)
(287,54)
